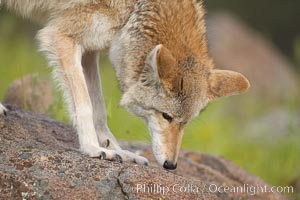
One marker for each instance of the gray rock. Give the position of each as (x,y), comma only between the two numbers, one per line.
(236,46)
(40,160)
(31,92)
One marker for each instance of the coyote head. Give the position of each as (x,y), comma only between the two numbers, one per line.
(171,92)
(167,76)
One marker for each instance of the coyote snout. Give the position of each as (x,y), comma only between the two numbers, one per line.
(166,136)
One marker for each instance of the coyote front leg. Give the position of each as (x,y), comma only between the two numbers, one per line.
(105,137)
(93,80)
(70,74)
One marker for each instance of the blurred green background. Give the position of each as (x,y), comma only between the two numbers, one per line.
(221,129)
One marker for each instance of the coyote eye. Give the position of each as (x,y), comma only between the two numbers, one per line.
(167,117)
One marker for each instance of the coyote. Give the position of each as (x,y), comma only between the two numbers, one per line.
(160,55)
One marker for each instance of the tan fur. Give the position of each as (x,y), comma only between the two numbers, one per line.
(224,83)
(172,137)
(159,51)
(168,71)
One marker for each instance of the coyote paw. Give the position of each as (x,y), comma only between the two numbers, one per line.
(115,155)
(122,155)
(3,110)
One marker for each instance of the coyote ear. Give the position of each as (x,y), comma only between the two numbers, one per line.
(164,66)
(225,83)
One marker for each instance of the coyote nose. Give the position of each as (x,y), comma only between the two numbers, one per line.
(170,165)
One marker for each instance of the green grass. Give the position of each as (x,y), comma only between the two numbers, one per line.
(216,131)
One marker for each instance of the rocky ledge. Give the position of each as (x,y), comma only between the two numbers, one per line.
(39,160)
